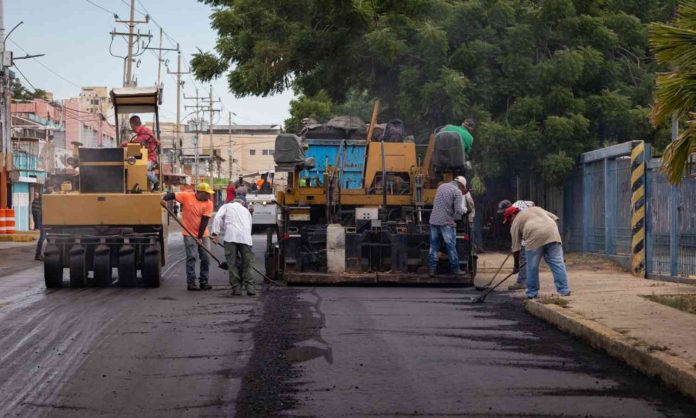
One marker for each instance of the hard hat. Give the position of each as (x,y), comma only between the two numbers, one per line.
(204,187)
(461,180)
(509,212)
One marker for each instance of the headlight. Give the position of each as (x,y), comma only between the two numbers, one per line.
(264,203)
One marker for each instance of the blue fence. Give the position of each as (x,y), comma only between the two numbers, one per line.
(597,213)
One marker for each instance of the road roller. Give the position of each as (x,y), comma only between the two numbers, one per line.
(105,226)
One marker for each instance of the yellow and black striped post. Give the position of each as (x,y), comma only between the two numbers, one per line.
(638,208)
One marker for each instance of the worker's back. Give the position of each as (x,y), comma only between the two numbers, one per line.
(537,227)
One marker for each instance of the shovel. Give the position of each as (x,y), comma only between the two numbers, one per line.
(480,288)
(222,264)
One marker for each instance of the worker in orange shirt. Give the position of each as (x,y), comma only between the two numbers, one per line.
(196,210)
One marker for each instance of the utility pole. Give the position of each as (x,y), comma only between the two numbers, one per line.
(4,107)
(197,108)
(212,111)
(229,157)
(159,56)
(179,73)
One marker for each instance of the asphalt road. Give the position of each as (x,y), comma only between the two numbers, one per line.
(298,351)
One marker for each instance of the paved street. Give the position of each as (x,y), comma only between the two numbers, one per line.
(298,351)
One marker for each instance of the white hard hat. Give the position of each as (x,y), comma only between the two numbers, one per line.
(461,180)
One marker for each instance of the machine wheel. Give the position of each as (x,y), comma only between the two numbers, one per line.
(103,276)
(152,266)
(53,267)
(78,267)
(126,266)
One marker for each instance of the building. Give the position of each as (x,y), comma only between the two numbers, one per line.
(86,127)
(96,100)
(231,151)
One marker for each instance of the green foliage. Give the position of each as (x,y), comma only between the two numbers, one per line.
(676,90)
(546,79)
(19,92)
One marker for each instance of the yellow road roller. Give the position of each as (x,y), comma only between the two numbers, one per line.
(107,218)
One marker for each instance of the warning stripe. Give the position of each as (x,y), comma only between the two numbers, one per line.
(638,208)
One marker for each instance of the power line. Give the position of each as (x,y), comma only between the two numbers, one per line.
(44,65)
(114,14)
(24,77)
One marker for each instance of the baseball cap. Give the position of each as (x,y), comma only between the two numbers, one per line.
(461,180)
(503,204)
(508,213)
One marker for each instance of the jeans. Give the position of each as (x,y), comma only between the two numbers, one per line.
(239,278)
(151,172)
(553,254)
(522,275)
(40,242)
(191,249)
(448,234)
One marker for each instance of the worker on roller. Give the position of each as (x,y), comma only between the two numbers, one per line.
(464,131)
(538,229)
(233,222)
(145,137)
(448,207)
(196,210)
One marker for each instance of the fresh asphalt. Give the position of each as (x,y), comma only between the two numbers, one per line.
(318,351)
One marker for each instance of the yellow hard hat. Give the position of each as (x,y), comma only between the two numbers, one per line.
(204,187)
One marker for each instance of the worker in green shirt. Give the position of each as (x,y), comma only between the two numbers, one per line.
(464,132)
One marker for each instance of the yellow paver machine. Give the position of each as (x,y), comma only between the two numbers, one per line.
(355,209)
(106,218)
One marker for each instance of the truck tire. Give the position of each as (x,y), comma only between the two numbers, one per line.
(152,267)
(78,267)
(53,267)
(103,274)
(127,273)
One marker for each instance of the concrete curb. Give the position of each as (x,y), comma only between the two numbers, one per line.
(18,238)
(674,371)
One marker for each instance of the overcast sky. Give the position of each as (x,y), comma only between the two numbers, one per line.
(74,35)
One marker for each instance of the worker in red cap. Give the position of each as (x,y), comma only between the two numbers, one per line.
(521,282)
(539,231)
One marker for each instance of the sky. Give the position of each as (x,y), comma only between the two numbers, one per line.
(74,35)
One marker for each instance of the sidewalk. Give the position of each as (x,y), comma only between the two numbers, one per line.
(607,309)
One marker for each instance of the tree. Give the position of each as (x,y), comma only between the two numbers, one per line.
(19,92)
(546,79)
(675,94)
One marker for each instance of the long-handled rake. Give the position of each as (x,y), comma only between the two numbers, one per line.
(222,264)
(482,297)
(480,288)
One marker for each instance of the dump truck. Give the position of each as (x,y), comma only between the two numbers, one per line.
(106,218)
(355,209)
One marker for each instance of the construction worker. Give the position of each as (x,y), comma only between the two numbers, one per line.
(147,139)
(38,224)
(538,229)
(465,133)
(196,210)
(233,221)
(447,208)
(521,282)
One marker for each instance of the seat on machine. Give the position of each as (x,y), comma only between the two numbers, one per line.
(288,153)
(448,153)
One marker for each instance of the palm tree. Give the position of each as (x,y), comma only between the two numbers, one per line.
(674,45)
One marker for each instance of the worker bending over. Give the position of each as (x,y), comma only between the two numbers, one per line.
(196,210)
(521,283)
(538,229)
(448,207)
(145,137)
(233,221)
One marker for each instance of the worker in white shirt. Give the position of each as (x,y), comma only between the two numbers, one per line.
(233,221)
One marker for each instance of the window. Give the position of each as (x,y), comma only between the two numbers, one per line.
(265,152)
(268,152)
(252,152)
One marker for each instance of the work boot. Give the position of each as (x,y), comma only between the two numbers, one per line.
(38,257)
(566,294)
(155,187)
(517,286)
(250,291)
(431,273)
(192,287)
(205,286)
(459,273)
(236,291)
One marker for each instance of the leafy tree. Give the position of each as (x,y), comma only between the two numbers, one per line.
(676,90)
(19,92)
(546,79)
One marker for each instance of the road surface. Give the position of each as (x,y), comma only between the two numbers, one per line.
(298,351)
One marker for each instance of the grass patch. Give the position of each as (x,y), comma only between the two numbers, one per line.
(686,303)
(554,300)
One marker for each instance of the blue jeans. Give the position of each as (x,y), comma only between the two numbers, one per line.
(553,255)
(448,234)
(522,275)
(191,249)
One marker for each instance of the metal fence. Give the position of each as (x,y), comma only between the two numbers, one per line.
(597,213)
